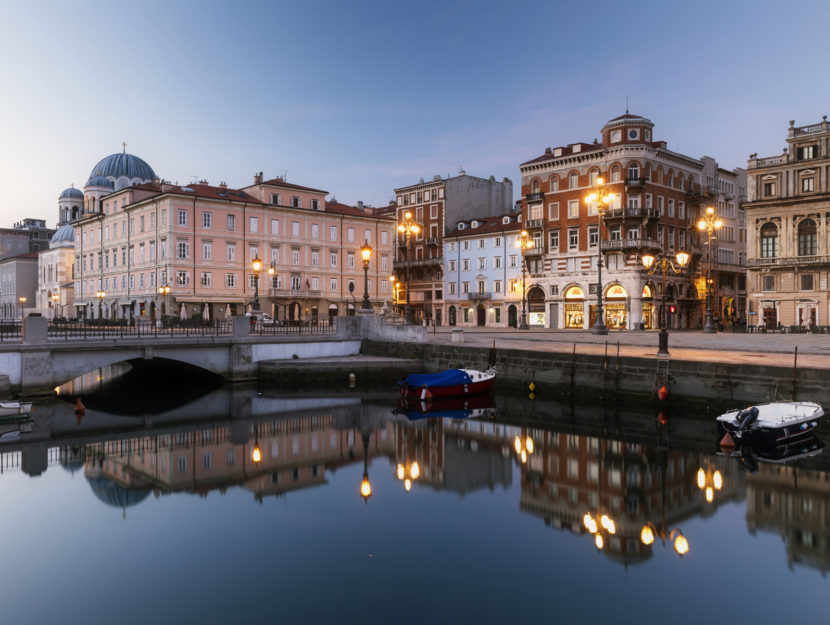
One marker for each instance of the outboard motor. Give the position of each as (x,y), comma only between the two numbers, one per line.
(747,417)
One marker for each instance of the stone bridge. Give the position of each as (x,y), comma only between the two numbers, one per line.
(37,364)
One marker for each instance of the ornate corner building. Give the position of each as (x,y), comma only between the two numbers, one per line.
(788,216)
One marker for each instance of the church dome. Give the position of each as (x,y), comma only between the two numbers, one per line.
(64,234)
(71,193)
(114,494)
(117,165)
(99,181)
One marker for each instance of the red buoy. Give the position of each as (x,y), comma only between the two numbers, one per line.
(727,441)
(662,393)
(662,418)
(79,407)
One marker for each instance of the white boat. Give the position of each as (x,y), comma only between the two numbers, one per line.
(773,423)
(13,408)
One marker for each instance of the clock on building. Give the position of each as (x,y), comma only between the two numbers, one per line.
(633,133)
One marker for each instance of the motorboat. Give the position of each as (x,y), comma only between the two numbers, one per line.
(771,424)
(751,456)
(481,405)
(14,408)
(449,383)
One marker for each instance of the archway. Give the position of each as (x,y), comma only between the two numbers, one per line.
(294,312)
(314,318)
(616,312)
(536,306)
(481,313)
(512,320)
(574,307)
(332,313)
(648,307)
(451,314)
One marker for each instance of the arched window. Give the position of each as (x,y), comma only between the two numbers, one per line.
(535,185)
(592,177)
(554,183)
(769,241)
(615,173)
(573,180)
(633,171)
(807,238)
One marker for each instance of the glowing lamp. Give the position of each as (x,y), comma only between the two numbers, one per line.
(647,535)
(648,261)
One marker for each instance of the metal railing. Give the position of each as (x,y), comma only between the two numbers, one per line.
(789,260)
(536,196)
(9,330)
(170,328)
(291,327)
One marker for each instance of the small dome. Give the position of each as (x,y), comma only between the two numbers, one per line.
(71,193)
(64,234)
(99,181)
(114,494)
(122,164)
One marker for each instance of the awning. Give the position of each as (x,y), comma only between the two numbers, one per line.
(209,299)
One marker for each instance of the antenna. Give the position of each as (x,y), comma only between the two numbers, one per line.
(284,174)
(626,105)
(194,178)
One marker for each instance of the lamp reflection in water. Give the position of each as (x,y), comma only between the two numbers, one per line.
(365,485)
(408,472)
(523,447)
(709,481)
(650,531)
(256,452)
(601,526)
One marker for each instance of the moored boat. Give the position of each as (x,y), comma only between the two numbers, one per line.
(481,405)
(12,409)
(449,383)
(771,424)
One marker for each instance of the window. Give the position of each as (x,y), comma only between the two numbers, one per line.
(465,287)
(573,208)
(660,201)
(231,222)
(806,237)
(384,237)
(182,219)
(808,185)
(152,251)
(769,283)
(230,254)
(496,262)
(207,220)
(593,236)
(295,228)
(315,205)
(182,278)
(553,211)
(633,234)
(592,177)
(332,284)
(465,264)
(769,189)
(769,241)
(182,249)
(512,261)
(497,242)
(231,280)
(253,224)
(806,282)
(806,152)
(497,286)
(207,250)
(295,256)
(275,198)
(206,279)
(253,252)
(275,227)
(633,171)
(333,259)
(465,245)
(513,285)
(315,258)
(333,233)
(350,235)
(481,286)
(315,231)
(275,254)
(452,288)
(671,207)
(573,180)
(452,265)
(554,241)
(295,202)
(384,263)
(350,260)
(433,211)
(573,239)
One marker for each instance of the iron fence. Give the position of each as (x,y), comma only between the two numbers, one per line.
(186,328)
(9,330)
(285,327)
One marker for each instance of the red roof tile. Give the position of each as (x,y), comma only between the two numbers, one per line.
(486,225)
(277,182)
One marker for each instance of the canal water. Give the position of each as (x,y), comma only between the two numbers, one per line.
(239,505)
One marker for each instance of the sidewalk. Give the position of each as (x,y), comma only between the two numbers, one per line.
(693,345)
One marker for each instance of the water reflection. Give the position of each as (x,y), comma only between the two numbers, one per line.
(627,494)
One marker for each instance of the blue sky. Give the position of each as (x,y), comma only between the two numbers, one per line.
(360,97)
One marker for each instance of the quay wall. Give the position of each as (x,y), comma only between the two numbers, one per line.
(576,373)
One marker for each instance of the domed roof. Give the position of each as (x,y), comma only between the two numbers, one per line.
(123,164)
(64,234)
(99,181)
(71,192)
(114,494)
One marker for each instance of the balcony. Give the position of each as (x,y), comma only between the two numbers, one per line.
(632,244)
(635,183)
(426,262)
(534,252)
(788,260)
(479,296)
(536,196)
(534,224)
(432,241)
(618,214)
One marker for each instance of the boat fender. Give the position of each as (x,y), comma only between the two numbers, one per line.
(747,417)
(662,393)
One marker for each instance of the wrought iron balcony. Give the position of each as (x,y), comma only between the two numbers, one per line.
(536,196)
(533,252)
(432,241)
(632,244)
(426,262)
(534,223)
(635,183)
(788,260)
(479,295)
(630,213)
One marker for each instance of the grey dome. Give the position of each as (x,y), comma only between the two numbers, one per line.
(71,193)
(99,181)
(123,164)
(64,234)
(114,494)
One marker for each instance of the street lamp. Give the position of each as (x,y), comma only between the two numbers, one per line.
(100,295)
(709,224)
(601,198)
(256,265)
(408,228)
(366,255)
(525,243)
(55,299)
(22,301)
(665,265)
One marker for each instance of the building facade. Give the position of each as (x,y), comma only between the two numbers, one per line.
(788,217)
(56,286)
(482,272)
(29,235)
(197,244)
(655,201)
(437,206)
(18,279)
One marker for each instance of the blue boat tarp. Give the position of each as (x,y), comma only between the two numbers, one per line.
(450,377)
(414,415)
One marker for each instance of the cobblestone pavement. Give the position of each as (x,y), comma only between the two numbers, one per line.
(721,348)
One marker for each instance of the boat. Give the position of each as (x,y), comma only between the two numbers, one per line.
(771,424)
(449,383)
(481,405)
(749,456)
(14,408)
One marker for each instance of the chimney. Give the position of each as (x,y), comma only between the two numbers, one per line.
(547,151)
(360,204)
(223,185)
(258,178)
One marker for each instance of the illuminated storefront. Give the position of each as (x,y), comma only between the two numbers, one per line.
(616,315)
(575,308)
(648,307)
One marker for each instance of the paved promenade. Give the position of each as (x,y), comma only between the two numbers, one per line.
(693,345)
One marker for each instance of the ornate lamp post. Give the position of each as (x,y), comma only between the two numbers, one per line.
(709,224)
(601,198)
(256,265)
(22,301)
(55,299)
(525,243)
(408,227)
(366,255)
(100,295)
(665,265)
